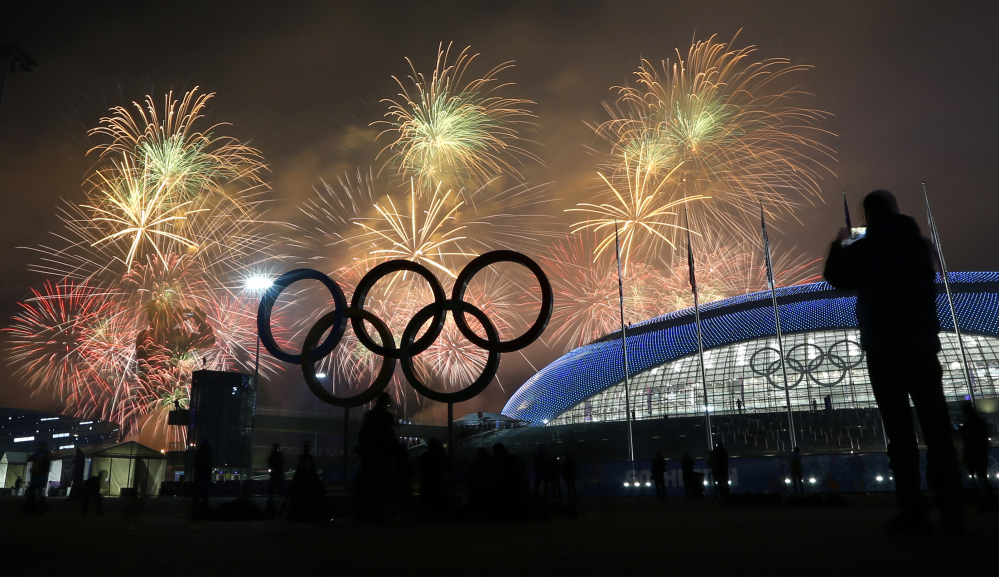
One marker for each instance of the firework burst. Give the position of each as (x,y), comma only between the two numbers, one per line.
(641,212)
(427,234)
(170,228)
(587,304)
(133,207)
(52,339)
(719,120)
(170,148)
(445,130)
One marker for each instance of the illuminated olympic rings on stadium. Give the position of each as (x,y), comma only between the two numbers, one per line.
(769,366)
(410,346)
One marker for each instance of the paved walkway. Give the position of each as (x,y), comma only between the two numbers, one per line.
(608,536)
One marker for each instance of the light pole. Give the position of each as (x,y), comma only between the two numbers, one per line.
(315,437)
(257,284)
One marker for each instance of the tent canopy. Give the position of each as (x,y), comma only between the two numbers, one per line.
(128,450)
(129,465)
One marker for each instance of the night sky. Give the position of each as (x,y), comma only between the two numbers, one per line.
(913,88)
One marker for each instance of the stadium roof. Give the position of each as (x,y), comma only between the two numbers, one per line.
(586,371)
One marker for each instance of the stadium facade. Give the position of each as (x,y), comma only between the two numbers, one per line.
(742,362)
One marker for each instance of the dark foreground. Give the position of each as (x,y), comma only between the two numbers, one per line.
(609,536)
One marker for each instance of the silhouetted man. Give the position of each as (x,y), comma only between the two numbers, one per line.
(659,475)
(719,469)
(379,449)
(796,480)
(975,442)
(569,476)
(275,484)
(203,469)
(687,464)
(892,271)
(38,484)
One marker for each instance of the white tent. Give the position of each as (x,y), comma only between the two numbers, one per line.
(15,464)
(129,465)
(12,466)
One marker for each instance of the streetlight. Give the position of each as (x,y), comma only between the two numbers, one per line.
(257,284)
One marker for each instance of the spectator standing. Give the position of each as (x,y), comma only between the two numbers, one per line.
(38,484)
(659,475)
(892,271)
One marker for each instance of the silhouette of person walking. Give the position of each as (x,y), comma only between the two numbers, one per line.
(975,445)
(541,469)
(433,465)
(719,469)
(513,494)
(306,496)
(379,451)
(38,483)
(92,492)
(687,465)
(481,485)
(796,480)
(892,271)
(275,481)
(659,475)
(569,476)
(202,479)
(553,478)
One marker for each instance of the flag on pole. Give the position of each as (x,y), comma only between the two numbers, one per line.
(766,249)
(846,210)
(780,338)
(935,239)
(620,280)
(690,256)
(700,337)
(624,349)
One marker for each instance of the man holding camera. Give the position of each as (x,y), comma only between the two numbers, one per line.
(892,271)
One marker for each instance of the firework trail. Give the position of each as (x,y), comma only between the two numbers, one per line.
(586,292)
(426,233)
(641,212)
(134,208)
(150,269)
(720,120)
(444,130)
(195,162)
(735,268)
(52,338)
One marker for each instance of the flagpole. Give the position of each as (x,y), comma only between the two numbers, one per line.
(846,212)
(780,337)
(697,323)
(935,237)
(624,347)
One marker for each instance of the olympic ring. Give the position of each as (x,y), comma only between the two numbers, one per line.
(488,371)
(361,294)
(309,370)
(772,368)
(267,303)
(544,314)
(335,323)
(807,369)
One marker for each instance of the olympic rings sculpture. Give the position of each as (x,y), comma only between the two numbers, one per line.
(807,368)
(410,346)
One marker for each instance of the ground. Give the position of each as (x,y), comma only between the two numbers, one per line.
(607,536)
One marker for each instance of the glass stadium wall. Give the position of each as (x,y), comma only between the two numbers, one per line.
(819,363)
